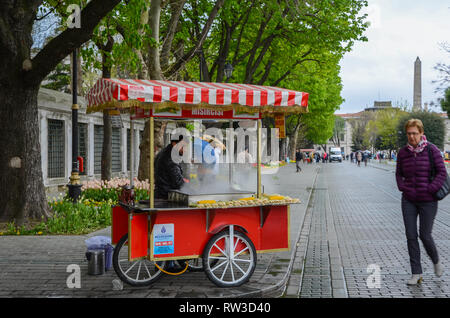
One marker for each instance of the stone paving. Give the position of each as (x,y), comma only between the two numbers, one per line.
(355,228)
(347,241)
(37,266)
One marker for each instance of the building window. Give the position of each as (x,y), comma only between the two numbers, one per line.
(98,145)
(116,153)
(83,145)
(56,149)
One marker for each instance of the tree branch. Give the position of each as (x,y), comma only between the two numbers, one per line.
(290,70)
(176,7)
(49,12)
(69,40)
(188,56)
(238,45)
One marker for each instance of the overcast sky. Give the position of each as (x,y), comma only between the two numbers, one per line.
(383,67)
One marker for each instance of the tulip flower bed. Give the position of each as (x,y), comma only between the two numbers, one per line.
(91,213)
(101,191)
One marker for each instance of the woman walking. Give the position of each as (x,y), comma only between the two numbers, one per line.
(412,174)
(359,158)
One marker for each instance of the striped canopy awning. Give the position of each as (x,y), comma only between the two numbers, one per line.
(147,94)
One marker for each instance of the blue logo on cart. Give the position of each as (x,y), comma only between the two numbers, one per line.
(163,239)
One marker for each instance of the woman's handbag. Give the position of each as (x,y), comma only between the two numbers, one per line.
(445,188)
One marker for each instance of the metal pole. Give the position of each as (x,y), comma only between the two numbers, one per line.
(74,185)
(258,150)
(131,153)
(152,167)
(230,153)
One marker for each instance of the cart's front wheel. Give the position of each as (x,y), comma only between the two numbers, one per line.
(141,272)
(229,260)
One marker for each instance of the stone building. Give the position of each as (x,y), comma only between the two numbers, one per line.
(55,122)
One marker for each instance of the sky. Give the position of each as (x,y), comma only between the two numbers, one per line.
(382,69)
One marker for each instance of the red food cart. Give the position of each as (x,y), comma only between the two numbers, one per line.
(225,237)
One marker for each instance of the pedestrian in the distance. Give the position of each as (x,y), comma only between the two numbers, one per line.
(298,159)
(412,174)
(359,158)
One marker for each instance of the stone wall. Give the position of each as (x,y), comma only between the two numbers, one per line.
(56,105)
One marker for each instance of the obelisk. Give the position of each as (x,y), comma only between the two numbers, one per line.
(417,101)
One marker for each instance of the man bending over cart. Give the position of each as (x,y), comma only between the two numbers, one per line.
(168,174)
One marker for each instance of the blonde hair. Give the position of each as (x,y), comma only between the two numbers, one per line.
(414,123)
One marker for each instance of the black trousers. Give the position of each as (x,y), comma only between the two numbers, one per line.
(426,211)
(297,165)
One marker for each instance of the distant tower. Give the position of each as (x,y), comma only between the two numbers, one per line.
(417,101)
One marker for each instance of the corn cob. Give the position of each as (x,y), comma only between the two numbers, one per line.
(206,202)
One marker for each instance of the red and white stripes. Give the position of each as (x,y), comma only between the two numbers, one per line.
(154,91)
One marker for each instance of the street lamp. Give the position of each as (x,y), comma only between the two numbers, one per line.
(228,70)
(74,184)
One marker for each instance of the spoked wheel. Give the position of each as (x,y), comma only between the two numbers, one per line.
(141,272)
(229,258)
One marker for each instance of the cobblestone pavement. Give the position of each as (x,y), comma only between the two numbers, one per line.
(348,229)
(37,266)
(354,230)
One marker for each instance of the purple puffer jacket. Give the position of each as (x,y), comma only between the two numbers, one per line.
(413,170)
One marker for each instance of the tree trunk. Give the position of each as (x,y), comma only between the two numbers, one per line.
(282,142)
(153,21)
(107,127)
(293,142)
(23,193)
(144,147)
(107,146)
(155,73)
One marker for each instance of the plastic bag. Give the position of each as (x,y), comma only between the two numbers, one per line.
(97,242)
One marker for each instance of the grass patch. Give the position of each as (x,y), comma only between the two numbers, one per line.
(67,218)
(91,213)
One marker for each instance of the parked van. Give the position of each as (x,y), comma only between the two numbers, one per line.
(335,154)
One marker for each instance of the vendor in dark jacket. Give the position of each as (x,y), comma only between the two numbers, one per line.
(412,174)
(168,174)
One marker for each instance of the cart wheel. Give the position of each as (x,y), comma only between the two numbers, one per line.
(141,272)
(229,265)
(195,264)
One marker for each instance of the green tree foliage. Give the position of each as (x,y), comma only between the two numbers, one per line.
(359,138)
(280,43)
(434,128)
(59,79)
(381,132)
(445,102)
(338,130)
